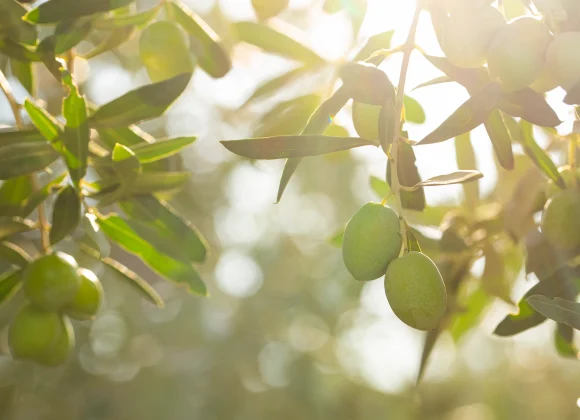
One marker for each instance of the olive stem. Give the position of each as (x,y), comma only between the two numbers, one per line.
(407,49)
(572,145)
(43,225)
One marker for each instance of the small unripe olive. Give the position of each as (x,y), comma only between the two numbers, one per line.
(87,300)
(563,59)
(517,53)
(561,219)
(467,34)
(416,291)
(365,118)
(33,332)
(51,281)
(372,239)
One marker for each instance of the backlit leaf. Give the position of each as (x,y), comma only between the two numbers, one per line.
(458,177)
(557,309)
(66,214)
(500,139)
(13,254)
(414,112)
(10,283)
(367,83)
(54,11)
(25,158)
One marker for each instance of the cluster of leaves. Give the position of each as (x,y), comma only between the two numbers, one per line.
(105,179)
(499,228)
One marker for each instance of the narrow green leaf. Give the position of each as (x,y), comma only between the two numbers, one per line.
(273,85)
(9,227)
(473,79)
(133,279)
(49,127)
(54,11)
(10,136)
(22,70)
(266,9)
(66,214)
(272,41)
(457,177)
(161,149)
(119,20)
(25,158)
(472,113)
(17,51)
(380,187)
(317,124)
(22,203)
(76,132)
(158,213)
(127,136)
(10,284)
(70,33)
(500,139)
(278,147)
(464,321)
(559,310)
(465,157)
(13,254)
(19,31)
(211,55)
(412,242)
(141,104)
(114,39)
(523,134)
(414,112)
(336,239)
(288,117)
(386,129)
(119,231)
(367,83)
(436,81)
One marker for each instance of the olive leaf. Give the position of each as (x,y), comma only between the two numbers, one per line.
(18,30)
(13,254)
(278,147)
(564,341)
(457,177)
(54,11)
(25,158)
(500,139)
(558,309)
(66,214)
(367,83)
(10,283)
(22,70)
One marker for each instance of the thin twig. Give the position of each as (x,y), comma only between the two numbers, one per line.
(407,49)
(43,225)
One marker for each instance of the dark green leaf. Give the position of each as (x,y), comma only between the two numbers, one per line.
(22,70)
(76,132)
(14,254)
(10,136)
(115,38)
(14,191)
(414,112)
(28,201)
(66,214)
(10,284)
(205,43)
(500,139)
(278,147)
(141,104)
(272,41)
(133,279)
(69,33)
(25,158)
(558,284)
(564,341)
(559,310)
(523,134)
(161,215)
(408,177)
(376,42)
(17,51)
(529,105)
(474,112)
(119,231)
(9,227)
(366,83)
(317,124)
(19,31)
(54,11)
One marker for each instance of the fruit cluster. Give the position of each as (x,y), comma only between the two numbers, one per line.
(520,53)
(414,287)
(56,289)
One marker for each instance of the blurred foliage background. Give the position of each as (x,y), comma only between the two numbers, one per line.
(286,333)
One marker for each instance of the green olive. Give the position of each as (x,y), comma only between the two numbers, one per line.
(563,58)
(372,239)
(33,332)
(365,118)
(51,281)
(87,300)
(416,291)
(561,219)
